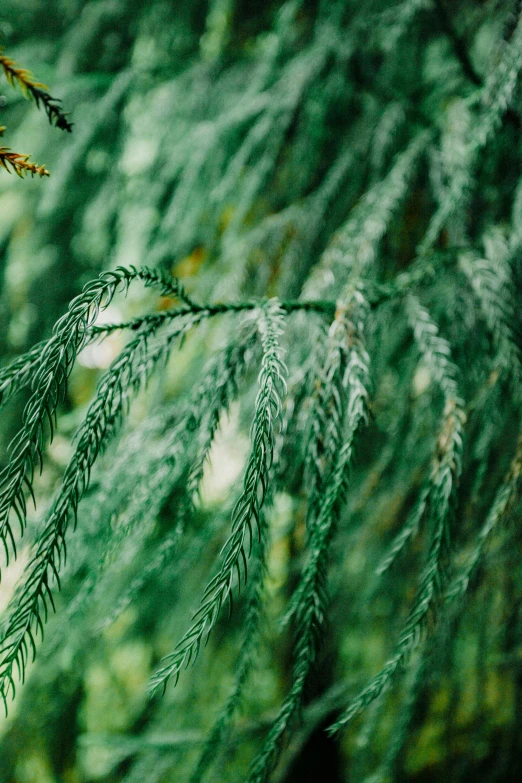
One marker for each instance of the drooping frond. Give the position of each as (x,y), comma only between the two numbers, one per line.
(245,662)
(132,367)
(492,281)
(309,605)
(221,386)
(414,681)
(48,383)
(246,515)
(436,503)
(19,373)
(179,465)
(500,511)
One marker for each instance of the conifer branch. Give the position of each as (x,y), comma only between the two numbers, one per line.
(48,387)
(415,681)
(247,510)
(214,400)
(445,472)
(326,414)
(20,164)
(251,632)
(435,352)
(492,281)
(500,511)
(127,373)
(324,307)
(175,464)
(35,90)
(18,374)
(310,604)
(294,435)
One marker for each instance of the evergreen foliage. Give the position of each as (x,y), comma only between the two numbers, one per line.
(15,75)
(309,414)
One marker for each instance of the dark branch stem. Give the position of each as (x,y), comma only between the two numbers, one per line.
(376,295)
(209,310)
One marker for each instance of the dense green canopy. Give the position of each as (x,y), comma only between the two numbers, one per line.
(260,372)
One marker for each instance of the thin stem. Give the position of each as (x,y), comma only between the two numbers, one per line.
(378,294)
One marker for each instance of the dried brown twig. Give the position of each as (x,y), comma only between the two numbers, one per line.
(32,89)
